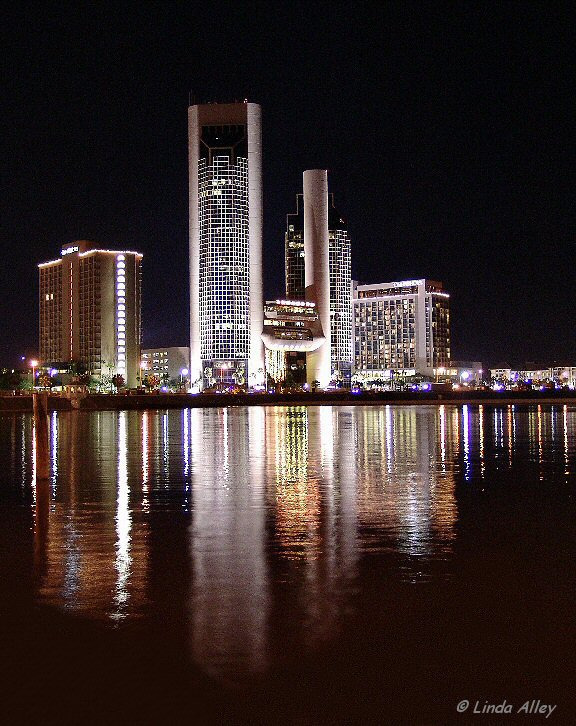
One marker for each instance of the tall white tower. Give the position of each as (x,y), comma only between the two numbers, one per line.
(317,269)
(226,303)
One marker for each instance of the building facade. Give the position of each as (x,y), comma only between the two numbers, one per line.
(90,310)
(340,279)
(401,327)
(291,329)
(171,364)
(225,188)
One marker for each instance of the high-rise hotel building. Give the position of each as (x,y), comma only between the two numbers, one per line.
(401,327)
(90,310)
(225,195)
(340,277)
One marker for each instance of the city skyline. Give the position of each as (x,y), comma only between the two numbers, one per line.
(456,170)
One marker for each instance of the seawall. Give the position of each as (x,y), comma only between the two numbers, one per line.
(119,402)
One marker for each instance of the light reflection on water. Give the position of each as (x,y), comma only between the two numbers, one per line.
(277,507)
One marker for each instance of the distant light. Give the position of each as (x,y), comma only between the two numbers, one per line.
(53,371)
(184,371)
(33,363)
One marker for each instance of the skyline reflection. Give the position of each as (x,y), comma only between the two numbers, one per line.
(272,509)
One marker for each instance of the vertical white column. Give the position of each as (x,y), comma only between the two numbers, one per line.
(256,353)
(316,269)
(420,304)
(194,231)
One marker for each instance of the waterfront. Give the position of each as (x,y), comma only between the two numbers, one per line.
(296,564)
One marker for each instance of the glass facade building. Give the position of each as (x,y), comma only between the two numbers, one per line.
(225,244)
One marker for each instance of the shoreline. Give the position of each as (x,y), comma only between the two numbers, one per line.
(151,401)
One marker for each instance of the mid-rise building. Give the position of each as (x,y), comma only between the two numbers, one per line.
(401,327)
(170,363)
(90,310)
(339,276)
(225,188)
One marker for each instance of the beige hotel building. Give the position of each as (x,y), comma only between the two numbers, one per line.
(401,327)
(90,310)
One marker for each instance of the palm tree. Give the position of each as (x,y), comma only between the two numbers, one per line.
(118,381)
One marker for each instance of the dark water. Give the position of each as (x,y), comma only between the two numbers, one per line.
(290,565)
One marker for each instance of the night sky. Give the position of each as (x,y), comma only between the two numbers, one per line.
(446,128)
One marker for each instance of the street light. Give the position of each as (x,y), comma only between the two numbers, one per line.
(183,373)
(223,368)
(33,364)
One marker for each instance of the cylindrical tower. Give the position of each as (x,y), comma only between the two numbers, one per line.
(256,359)
(194,255)
(316,269)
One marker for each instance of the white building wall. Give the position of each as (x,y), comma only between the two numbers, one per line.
(194,231)
(256,355)
(317,269)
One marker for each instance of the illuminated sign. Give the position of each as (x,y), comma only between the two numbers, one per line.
(69,250)
(406,283)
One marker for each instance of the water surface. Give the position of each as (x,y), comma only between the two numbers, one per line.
(315,564)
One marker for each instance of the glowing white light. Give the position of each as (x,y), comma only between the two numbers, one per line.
(123,522)
(466,434)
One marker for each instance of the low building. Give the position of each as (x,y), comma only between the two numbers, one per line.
(171,364)
(564,375)
(532,375)
(465,373)
(501,372)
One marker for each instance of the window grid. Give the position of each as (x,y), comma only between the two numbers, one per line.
(225,259)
